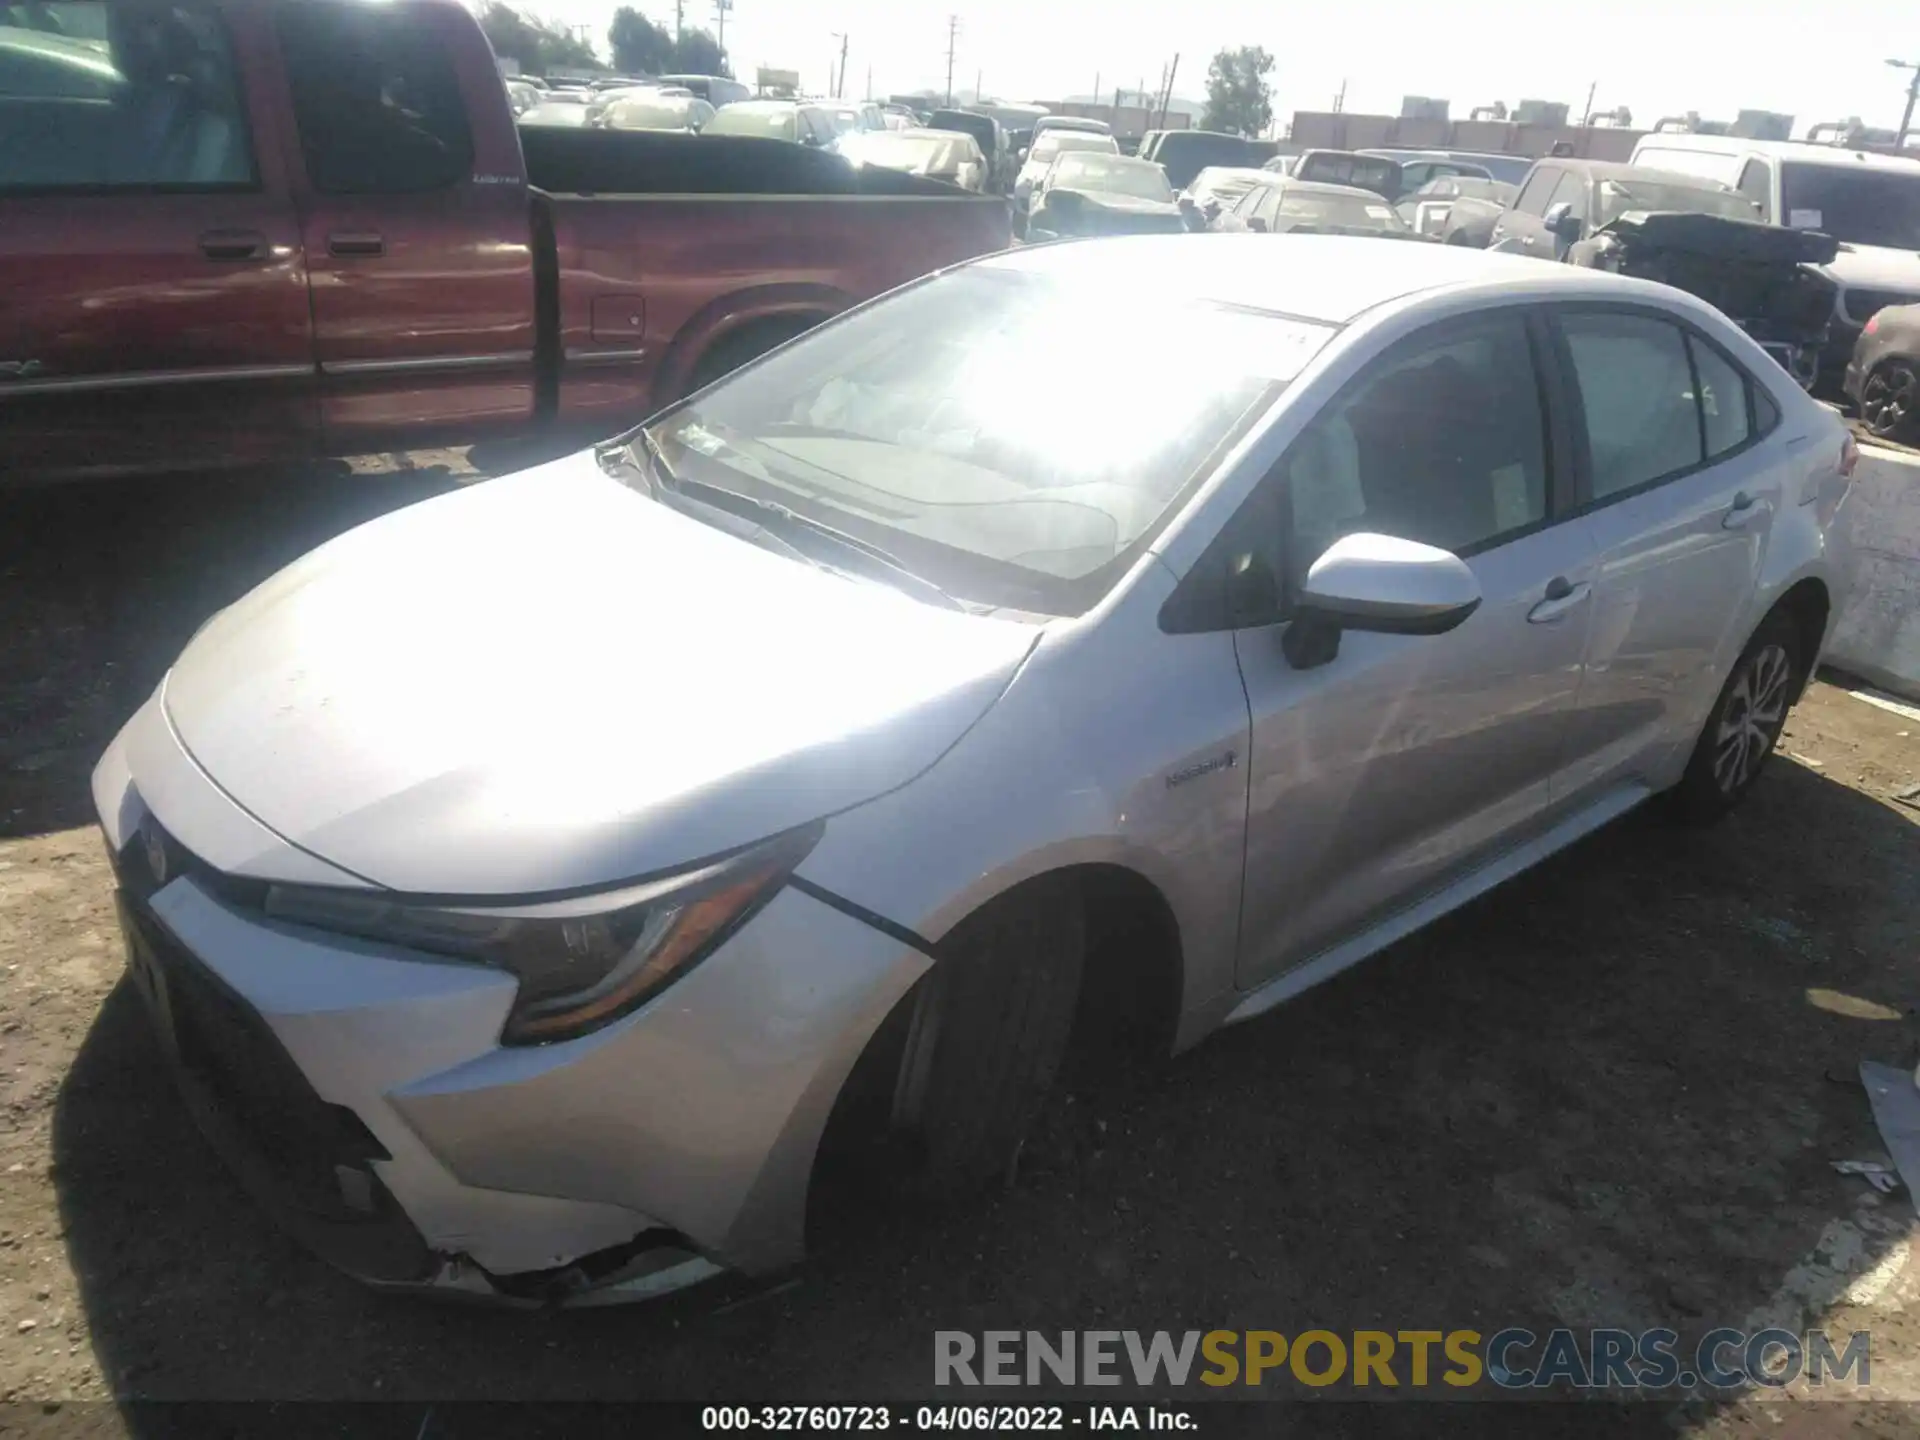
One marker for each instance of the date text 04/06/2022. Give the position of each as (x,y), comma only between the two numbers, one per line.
(995,1419)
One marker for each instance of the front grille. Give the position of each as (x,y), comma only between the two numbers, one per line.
(1862,305)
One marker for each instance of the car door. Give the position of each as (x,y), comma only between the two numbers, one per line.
(1407,760)
(416,219)
(153,292)
(1520,229)
(1679,485)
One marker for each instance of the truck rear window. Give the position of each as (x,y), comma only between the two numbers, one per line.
(1854,204)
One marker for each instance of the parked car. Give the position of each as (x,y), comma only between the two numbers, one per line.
(1040,158)
(1422,564)
(716,90)
(1183,154)
(1686,231)
(686,114)
(1088,193)
(1084,124)
(1418,167)
(1870,203)
(329,246)
(989,135)
(1507,169)
(800,122)
(1883,380)
(1370,170)
(1279,205)
(1459,209)
(1218,187)
(521,97)
(945,155)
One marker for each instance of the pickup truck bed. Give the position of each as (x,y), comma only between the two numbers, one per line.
(241,232)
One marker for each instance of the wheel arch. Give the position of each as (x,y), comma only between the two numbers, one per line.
(742,312)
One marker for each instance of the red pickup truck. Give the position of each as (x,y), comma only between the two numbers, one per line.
(236,232)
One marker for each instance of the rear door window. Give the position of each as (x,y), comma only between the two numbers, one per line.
(1637,396)
(120,96)
(377,100)
(1533,195)
(1756,185)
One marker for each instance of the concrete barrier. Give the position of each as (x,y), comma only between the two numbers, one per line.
(1878,637)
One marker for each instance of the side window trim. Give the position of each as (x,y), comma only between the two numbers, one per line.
(1585,503)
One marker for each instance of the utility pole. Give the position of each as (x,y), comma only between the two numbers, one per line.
(979,78)
(1340,100)
(838,87)
(679,21)
(721,9)
(869,82)
(1913,93)
(1586,117)
(1166,93)
(1096,87)
(953,40)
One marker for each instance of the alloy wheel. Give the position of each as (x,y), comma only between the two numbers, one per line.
(1890,399)
(1751,718)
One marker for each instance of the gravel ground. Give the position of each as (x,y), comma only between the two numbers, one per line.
(1606,1094)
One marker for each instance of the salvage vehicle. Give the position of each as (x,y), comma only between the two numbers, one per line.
(534,887)
(989,135)
(1869,202)
(1040,158)
(944,155)
(1278,205)
(1684,231)
(1883,380)
(681,114)
(1458,209)
(1507,169)
(1218,188)
(1086,193)
(797,121)
(280,229)
(1370,170)
(1183,154)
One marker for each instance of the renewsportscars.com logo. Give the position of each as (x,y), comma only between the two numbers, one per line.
(1512,1359)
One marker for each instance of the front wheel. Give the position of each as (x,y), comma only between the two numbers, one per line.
(1744,728)
(1890,400)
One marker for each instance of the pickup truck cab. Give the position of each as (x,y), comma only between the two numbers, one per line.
(238,232)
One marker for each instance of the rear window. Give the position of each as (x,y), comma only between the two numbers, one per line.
(1142,179)
(1058,142)
(1859,205)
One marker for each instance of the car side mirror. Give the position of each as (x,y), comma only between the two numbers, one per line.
(1257,225)
(1377,583)
(1023,156)
(1562,223)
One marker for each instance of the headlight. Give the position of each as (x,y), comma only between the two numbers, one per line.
(583,962)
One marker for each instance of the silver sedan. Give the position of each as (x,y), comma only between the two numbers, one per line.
(524,881)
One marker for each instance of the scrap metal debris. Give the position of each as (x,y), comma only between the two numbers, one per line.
(1877,1173)
(1895,1098)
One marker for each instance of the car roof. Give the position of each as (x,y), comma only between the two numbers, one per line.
(1232,172)
(1322,187)
(1070,122)
(1327,278)
(1797,150)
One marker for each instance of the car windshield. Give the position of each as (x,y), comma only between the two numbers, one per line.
(968,427)
(1058,142)
(1617,197)
(1855,204)
(739,120)
(1116,174)
(1508,169)
(1308,207)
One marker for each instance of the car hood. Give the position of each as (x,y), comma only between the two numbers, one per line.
(1876,267)
(550,682)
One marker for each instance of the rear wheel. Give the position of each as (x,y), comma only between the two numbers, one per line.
(1890,400)
(1744,728)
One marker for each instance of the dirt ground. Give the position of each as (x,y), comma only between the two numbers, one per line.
(1607,1094)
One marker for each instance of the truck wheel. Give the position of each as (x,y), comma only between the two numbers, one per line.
(988,1029)
(1745,723)
(742,346)
(1890,400)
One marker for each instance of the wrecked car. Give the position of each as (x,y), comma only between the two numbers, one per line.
(1883,379)
(1086,193)
(1693,234)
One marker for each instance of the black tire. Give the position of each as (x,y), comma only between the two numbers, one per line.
(1890,400)
(989,1028)
(1743,729)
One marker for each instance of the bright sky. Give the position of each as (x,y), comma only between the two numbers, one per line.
(1714,56)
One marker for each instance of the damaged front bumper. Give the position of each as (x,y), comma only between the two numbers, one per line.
(360,1093)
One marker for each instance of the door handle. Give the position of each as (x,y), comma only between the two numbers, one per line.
(356,243)
(1743,512)
(233,245)
(1561,597)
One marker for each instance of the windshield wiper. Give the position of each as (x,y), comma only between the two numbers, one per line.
(782,524)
